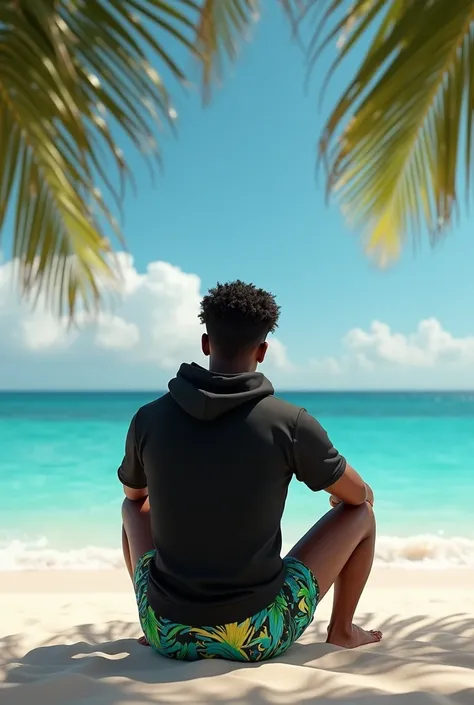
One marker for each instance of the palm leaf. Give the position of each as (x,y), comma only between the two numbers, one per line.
(391,144)
(73,76)
(71,73)
(221,26)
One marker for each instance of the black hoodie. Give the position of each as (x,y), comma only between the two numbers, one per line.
(217,454)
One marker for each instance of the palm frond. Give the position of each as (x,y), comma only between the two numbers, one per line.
(222,24)
(71,73)
(392,143)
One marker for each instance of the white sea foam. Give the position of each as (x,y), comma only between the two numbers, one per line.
(38,555)
(423,551)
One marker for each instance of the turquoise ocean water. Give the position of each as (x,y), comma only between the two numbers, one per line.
(60,498)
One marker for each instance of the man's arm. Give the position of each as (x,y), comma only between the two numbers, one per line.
(135,495)
(131,473)
(321,467)
(350,489)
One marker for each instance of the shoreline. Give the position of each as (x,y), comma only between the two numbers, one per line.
(418,551)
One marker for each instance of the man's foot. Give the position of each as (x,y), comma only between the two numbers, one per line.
(355,637)
(143,641)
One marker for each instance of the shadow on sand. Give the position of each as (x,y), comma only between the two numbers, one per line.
(106,665)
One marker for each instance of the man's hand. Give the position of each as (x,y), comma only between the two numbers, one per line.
(350,488)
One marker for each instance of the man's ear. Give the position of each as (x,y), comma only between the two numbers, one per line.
(205,344)
(261,352)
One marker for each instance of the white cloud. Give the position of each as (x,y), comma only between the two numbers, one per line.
(116,334)
(428,346)
(277,356)
(381,358)
(155,319)
(153,327)
(327,365)
(39,331)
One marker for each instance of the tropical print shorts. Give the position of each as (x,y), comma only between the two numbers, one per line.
(267,634)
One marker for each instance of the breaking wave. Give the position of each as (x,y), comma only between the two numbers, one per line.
(417,551)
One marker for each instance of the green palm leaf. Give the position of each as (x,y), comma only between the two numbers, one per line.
(221,26)
(392,143)
(62,62)
(73,76)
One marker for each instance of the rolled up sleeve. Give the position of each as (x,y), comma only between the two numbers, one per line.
(316,462)
(131,473)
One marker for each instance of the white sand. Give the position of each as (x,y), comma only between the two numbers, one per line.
(70,638)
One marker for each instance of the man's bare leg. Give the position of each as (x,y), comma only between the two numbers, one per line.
(137,538)
(339,549)
(126,553)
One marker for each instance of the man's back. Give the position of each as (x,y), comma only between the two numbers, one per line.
(217,454)
(206,473)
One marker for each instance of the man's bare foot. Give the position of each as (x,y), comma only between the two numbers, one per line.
(143,641)
(354,638)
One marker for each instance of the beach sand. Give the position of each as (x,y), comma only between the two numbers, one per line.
(70,637)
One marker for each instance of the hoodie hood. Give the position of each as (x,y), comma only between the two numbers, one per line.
(207,395)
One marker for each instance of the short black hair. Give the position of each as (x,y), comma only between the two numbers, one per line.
(238,316)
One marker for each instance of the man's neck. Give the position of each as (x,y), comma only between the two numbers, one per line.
(231,367)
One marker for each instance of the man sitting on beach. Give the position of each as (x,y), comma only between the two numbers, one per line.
(206,474)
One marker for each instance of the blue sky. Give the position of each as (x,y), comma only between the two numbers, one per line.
(239,199)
